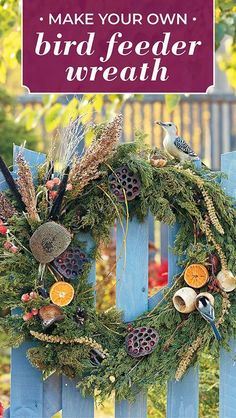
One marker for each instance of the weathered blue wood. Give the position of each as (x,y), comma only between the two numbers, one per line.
(164,241)
(181,402)
(26,386)
(74,405)
(227,359)
(26,381)
(132,293)
(52,395)
(183,396)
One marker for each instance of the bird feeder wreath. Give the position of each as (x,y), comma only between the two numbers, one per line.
(45,263)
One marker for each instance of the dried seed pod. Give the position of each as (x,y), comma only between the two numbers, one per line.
(96,357)
(184,300)
(49,241)
(124,179)
(70,264)
(50,314)
(158,162)
(213,262)
(80,316)
(226,280)
(208,296)
(141,341)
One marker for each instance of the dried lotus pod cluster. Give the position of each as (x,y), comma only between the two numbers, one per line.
(141,341)
(124,180)
(70,264)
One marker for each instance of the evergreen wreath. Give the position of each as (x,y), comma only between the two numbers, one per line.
(45,293)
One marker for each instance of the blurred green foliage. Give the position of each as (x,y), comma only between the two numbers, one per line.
(226,26)
(10,131)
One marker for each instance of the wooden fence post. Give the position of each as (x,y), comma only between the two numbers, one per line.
(132,293)
(227,359)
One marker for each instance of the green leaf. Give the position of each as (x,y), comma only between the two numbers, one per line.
(53,117)
(171,101)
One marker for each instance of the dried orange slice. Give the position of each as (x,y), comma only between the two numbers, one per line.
(196,275)
(61,293)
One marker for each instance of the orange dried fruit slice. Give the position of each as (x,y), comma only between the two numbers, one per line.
(61,293)
(196,275)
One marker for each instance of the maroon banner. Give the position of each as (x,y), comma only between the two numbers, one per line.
(100,46)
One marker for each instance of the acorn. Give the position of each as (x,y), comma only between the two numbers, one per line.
(50,314)
(49,241)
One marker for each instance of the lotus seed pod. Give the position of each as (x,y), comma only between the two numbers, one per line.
(184,300)
(49,241)
(141,341)
(70,264)
(123,180)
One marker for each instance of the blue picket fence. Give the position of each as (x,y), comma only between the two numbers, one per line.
(31,397)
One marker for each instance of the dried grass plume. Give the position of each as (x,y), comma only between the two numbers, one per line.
(26,187)
(86,168)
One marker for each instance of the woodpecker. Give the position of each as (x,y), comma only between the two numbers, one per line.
(176,146)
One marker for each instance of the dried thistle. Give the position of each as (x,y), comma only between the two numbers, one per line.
(87,168)
(26,188)
(57,339)
(7,210)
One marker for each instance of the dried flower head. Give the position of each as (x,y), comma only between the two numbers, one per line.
(26,187)
(87,168)
(6,208)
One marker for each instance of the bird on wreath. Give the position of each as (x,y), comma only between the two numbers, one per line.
(208,313)
(176,146)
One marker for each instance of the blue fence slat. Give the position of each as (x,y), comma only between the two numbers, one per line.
(26,382)
(26,386)
(73,404)
(52,402)
(132,293)
(181,402)
(227,359)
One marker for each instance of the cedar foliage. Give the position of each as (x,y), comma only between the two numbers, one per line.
(172,194)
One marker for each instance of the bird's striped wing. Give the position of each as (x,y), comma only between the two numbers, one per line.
(184,147)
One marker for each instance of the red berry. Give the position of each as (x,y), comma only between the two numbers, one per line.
(27,316)
(33,295)
(3,229)
(25,297)
(7,245)
(53,195)
(34,311)
(14,249)
(56,181)
(69,187)
(50,184)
